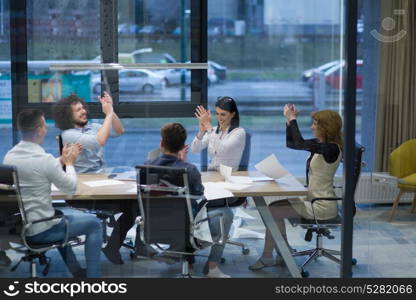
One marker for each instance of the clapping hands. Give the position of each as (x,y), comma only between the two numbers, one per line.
(182,153)
(70,153)
(290,112)
(106,103)
(204,117)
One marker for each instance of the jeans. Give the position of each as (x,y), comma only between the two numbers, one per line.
(214,226)
(79,224)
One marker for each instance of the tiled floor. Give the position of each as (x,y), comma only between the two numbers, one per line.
(382,249)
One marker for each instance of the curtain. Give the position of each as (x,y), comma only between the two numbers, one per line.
(396,105)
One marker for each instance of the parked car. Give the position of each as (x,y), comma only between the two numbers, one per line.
(220,26)
(150,29)
(123,58)
(307,75)
(173,76)
(147,55)
(220,71)
(128,29)
(133,81)
(333,75)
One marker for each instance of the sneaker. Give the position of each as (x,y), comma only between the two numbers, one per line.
(217,273)
(4,259)
(113,256)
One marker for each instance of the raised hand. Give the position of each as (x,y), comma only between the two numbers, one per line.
(106,106)
(106,96)
(182,153)
(204,117)
(290,111)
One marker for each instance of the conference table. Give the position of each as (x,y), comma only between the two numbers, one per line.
(89,188)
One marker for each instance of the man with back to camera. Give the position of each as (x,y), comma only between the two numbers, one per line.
(174,150)
(37,170)
(71,116)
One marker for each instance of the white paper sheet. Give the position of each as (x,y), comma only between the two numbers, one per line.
(261,178)
(213,190)
(271,167)
(202,231)
(225,171)
(233,186)
(54,188)
(242,214)
(290,181)
(246,233)
(107,182)
(152,155)
(240,180)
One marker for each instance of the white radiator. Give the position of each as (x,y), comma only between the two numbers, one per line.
(372,188)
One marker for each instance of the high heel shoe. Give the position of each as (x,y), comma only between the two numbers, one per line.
(262,263)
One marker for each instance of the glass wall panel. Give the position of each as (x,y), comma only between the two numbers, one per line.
(5,83)
(61,32)
(152,31)
(269,53)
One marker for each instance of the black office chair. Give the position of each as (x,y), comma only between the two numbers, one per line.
(167,217)
(322,227)
(17,221)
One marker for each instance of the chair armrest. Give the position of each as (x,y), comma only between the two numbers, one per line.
(326,199)
(322,199)
(44,220)
(62,244)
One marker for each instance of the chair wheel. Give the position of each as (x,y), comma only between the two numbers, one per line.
(246,251)
(222,260)
(133,256)
(305,274)
(354,261)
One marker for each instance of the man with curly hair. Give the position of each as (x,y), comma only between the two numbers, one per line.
(71,116)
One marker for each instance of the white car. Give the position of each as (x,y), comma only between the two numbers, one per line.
(134,81)
(308,74)
(173,76)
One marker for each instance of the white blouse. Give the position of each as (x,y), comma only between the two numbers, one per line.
(223,148)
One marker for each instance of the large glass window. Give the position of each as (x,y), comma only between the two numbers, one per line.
(61,32)
(5,83)
(154,32)
(269,53)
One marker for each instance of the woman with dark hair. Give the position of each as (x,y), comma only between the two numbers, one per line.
(325,155)
(226,141)
(225,144)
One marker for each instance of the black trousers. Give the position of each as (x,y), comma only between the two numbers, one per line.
(128,208)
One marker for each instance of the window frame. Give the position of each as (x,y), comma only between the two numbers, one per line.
(109,54)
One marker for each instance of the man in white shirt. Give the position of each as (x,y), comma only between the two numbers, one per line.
(37,171)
